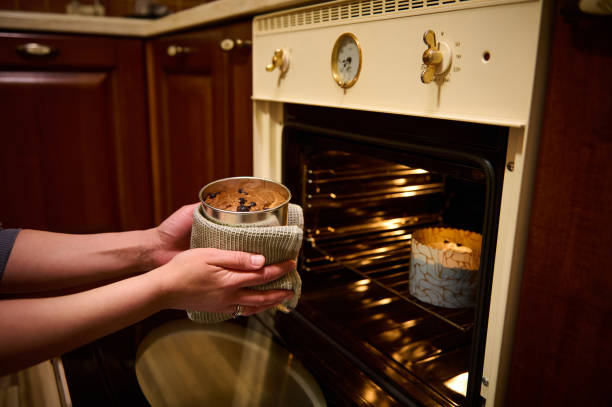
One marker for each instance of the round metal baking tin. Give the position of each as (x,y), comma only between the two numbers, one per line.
(276,216)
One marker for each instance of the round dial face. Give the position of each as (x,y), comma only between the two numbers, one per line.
(346,60)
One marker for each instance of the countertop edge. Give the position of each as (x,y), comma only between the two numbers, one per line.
(64,23)
(218,10)
(201,15)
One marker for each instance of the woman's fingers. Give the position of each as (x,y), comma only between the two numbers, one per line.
(265,275)
(256,298)
(248,267)
(182,218)
(253,302)
(217,280)
(234,260)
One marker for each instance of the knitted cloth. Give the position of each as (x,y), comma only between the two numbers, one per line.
(276,243)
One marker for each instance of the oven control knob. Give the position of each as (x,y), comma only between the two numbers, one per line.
(280,60)
(437,57)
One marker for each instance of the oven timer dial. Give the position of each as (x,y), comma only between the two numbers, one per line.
(346,60)
(436,58)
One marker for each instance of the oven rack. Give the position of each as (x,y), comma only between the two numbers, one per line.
(327,175)
(362,304)
(377,254)
(366,186)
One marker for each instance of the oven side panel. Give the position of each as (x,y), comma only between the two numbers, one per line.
(267,139)
(523,145)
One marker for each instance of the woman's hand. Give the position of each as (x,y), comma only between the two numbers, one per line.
(216,280)
(172,235)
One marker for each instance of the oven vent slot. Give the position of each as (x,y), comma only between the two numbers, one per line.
(342,12)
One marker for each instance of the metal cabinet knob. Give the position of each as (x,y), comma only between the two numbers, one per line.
(228,44)
(35,49)
(174,50)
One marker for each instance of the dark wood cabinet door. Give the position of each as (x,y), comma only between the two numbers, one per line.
(561,353)
(74,155)
(200,112)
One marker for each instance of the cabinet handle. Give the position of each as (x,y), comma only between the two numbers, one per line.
(229,44)
(174,50)
(35,49)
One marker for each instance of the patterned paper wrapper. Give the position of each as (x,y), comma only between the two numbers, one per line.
(444,266)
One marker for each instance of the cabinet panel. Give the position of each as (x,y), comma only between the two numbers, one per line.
(75,153)
(59,147)
(193,146)
(561,351)
(201,113)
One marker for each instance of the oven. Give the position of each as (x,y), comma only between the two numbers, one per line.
(385,118)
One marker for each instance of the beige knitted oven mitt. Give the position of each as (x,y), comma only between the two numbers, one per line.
(276,243)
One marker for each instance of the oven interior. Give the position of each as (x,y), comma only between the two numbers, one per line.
(366,181)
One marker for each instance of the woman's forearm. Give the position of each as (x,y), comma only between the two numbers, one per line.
(211,280)
(43,261)
(40,328)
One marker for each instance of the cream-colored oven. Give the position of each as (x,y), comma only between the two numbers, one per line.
(348,93)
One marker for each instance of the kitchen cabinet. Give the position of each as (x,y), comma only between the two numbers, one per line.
(200,111)
(75,152)
(561,354)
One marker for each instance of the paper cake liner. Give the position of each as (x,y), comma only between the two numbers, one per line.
(445,273)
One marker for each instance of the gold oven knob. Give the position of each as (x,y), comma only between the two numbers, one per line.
(279,60)
(437,57)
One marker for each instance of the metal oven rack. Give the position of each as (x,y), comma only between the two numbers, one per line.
(383,259)
(360,217)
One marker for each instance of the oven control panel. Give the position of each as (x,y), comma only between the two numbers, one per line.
(470,63)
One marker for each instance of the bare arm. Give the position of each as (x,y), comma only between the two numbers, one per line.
(35,329)
(45,261)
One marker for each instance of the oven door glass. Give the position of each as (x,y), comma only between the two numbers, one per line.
(368,182)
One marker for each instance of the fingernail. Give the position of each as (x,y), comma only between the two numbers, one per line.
(258,260)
